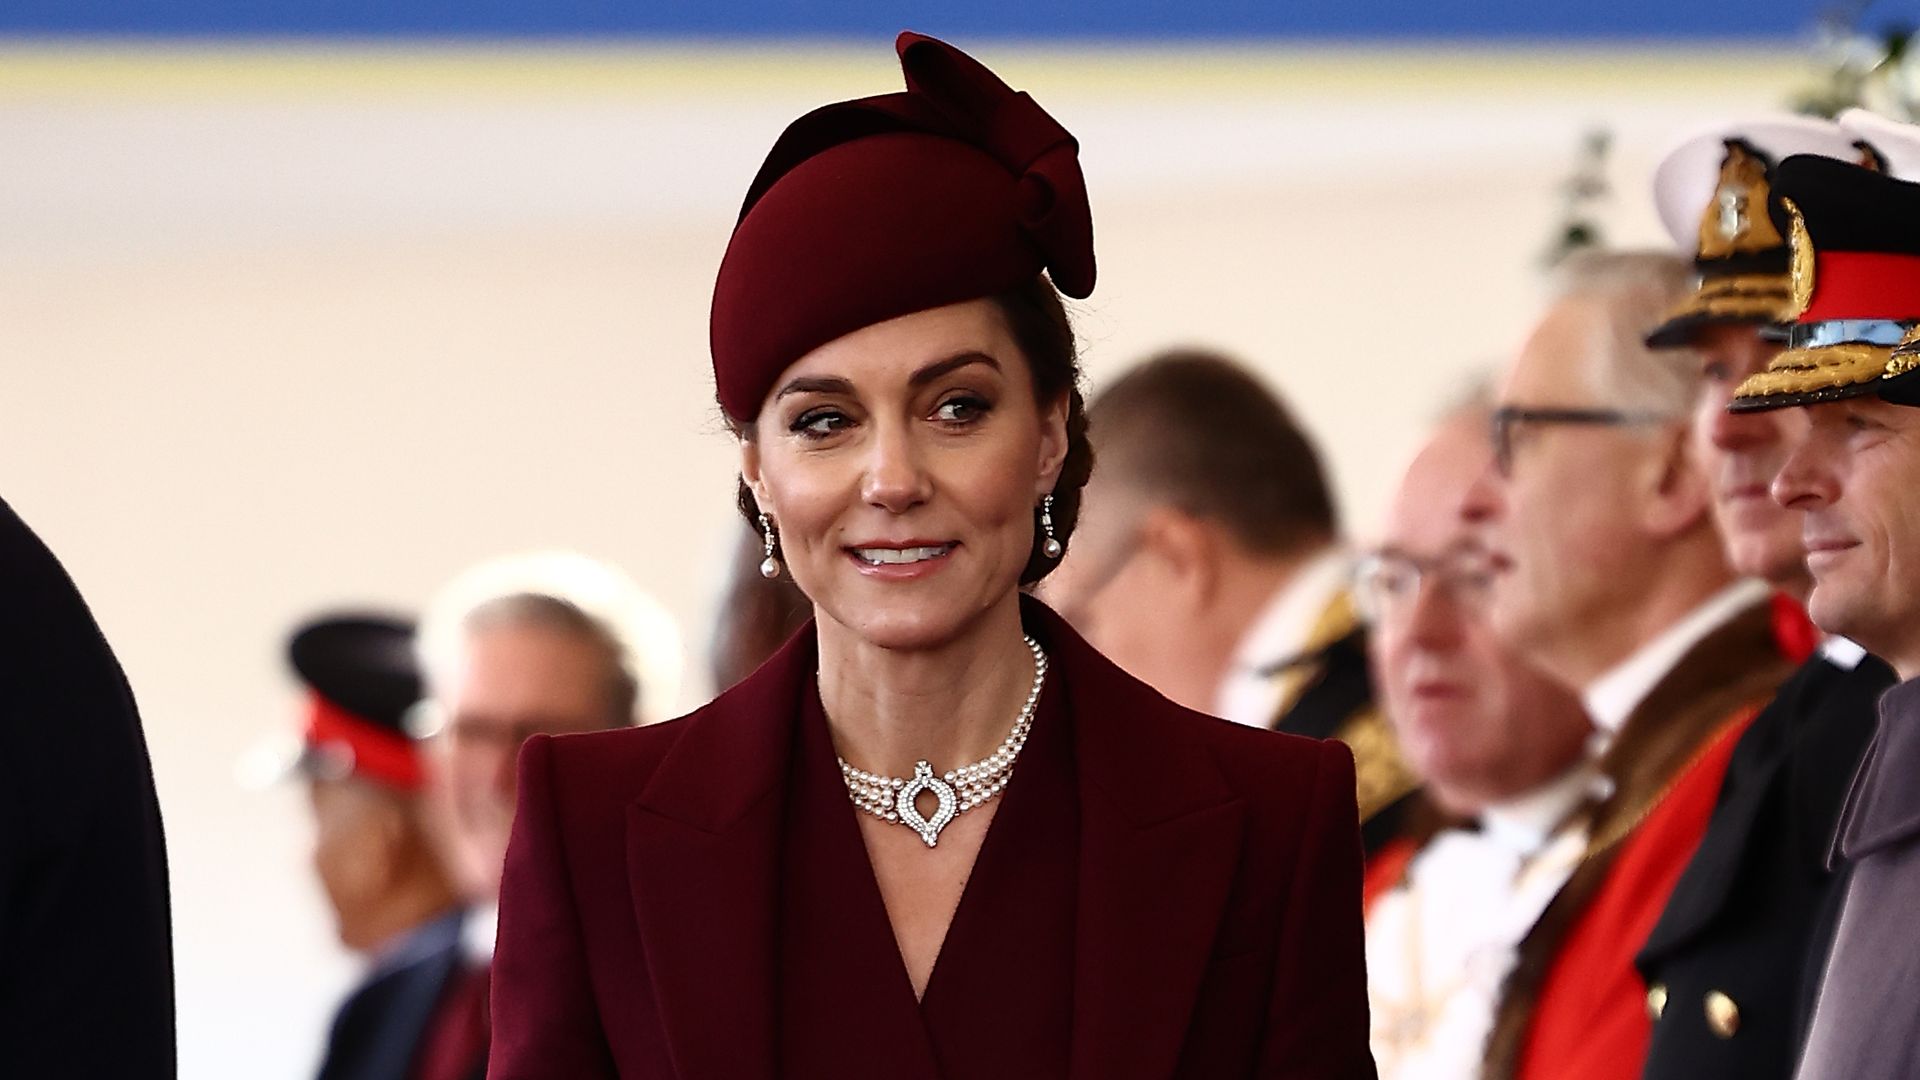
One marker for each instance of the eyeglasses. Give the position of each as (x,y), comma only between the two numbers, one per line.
(1387,583)
(1507,417)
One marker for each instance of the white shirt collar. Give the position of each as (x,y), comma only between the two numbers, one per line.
(477,934)
(1282,628)
(1843,653)
(1524,823)
(1279,633)
(1612,697)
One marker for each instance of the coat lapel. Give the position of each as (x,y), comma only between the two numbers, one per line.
(1160,839)
(1884,806)
(703,853)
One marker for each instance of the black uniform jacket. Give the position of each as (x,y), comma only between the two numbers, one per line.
(379,1029)
(1743,934)
(86,957)
(1337,702)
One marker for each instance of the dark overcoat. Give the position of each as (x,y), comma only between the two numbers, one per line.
(86,954)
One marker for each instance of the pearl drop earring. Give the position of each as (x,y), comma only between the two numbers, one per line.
(769,566)
(1051,548)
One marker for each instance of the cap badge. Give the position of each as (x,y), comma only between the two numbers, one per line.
(1735,221)
(1801,263)
(1732,202)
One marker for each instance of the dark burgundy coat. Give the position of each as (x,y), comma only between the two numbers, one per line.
(1218,925)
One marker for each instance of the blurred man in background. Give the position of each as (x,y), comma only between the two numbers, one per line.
(86,942)
(1207,563)
(376,849)
(1499,748)
(1612,577)
(547,643)
(1727,966)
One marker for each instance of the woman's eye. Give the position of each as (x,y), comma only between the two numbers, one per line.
(960,410)
(818,423)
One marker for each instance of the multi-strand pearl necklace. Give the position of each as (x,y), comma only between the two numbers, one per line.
(892,798)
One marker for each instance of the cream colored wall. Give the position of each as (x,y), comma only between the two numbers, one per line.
(282,330)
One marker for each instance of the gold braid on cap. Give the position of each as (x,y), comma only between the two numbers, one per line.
(1804,371)
(1760,297)
(1905,356)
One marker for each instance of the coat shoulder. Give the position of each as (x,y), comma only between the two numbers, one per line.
(603,765)
(1267,767)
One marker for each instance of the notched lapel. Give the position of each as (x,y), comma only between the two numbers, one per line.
(1151,900)
(707,926)
(703,857)
(1161,833)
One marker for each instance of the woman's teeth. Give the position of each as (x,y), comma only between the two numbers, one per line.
(887,556)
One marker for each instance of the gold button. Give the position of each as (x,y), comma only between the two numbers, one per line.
(1656,1000)
(1723,1014)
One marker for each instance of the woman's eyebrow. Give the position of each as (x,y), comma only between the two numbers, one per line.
(821,384)
(950,364)
(834,384)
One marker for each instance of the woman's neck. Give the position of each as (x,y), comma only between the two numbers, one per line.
(949,706)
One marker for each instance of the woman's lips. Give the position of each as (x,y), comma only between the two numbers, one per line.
(901,560)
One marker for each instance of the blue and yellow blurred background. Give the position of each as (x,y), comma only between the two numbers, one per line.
(307,303)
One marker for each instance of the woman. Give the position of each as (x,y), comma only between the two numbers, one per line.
(936,835)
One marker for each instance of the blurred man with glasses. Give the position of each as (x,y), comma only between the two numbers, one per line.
(1207,562)
(548,643)
(1610,575)
(1499,748)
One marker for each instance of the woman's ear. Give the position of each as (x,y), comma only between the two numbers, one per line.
(750,473)
(1053,444)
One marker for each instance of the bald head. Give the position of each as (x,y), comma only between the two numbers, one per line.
(1427,509)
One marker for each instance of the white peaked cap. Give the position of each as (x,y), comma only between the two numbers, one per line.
(1898,143)
(1686,179)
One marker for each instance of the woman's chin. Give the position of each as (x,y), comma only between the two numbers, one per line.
(914,624)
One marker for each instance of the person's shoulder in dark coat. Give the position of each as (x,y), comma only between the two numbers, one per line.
(86,958)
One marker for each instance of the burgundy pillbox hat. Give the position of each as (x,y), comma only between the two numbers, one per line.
(868,210)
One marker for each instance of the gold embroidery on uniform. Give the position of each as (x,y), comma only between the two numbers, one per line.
(1800,259)
(1381,774)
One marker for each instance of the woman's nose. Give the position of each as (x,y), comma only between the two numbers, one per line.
(896,470)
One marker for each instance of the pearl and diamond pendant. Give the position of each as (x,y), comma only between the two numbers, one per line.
(896,799)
